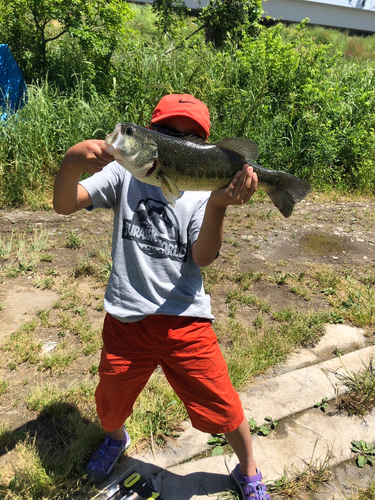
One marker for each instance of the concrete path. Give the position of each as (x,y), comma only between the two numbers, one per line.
(304,434)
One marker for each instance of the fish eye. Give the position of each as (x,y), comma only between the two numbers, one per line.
(129,131)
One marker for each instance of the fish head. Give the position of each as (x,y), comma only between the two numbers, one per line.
(133,148)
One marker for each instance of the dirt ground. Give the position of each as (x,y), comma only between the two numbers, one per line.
(336,232)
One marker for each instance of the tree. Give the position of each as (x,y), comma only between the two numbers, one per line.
(169,14)
(224,18)
(220,19)
(30,27)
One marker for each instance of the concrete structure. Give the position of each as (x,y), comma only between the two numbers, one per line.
(359,20)
(322,14)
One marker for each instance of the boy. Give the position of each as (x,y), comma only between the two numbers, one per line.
(157,310)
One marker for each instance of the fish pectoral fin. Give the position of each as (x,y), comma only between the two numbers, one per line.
(169,189)
(241,145)
(171,198)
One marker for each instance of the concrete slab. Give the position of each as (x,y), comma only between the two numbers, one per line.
(208,477)
(298,390)
(344,482)
(311,437)
(190,443)
(342,337)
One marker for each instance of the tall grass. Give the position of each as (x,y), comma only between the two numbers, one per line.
(35,139)
(307,103)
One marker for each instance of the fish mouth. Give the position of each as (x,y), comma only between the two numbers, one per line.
(152,169)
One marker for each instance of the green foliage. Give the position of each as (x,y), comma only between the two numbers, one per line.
(230,19)
(322,405)
(262,430)
(366,452)
(31,27)
(73,240)
(218,441)
(34,140)
(170,14)
(309,109)
(359,398)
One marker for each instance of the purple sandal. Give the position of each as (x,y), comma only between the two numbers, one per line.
(251,487)
(105,457)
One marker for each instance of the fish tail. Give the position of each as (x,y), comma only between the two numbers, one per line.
(285,191)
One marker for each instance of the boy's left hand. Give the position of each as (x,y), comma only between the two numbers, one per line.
(239,191)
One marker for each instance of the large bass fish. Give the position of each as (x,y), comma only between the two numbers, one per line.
(187,164)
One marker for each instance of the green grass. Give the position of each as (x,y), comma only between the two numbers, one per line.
(365,493)
(250,351)
(299,484)
(360,396)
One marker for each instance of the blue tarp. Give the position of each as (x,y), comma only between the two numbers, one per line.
(12,83)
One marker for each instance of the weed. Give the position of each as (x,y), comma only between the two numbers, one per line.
(21,347)
(43,315)
(7,437)
(364,493)
(4,384)
(45,283)
(247,278)
(281,278)
(157,411)
(84,267)
(6,246)
(366,452)
(218,441)
(47,257)
(73,240)
(39,240)
(30,478)
(58,360)
(285,314)
(360,396)
(94,369)
(359,306)
(302,292)
(298,484)
(258,321)
(322,405)
(262,430)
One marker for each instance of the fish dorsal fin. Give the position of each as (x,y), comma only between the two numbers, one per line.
(242,145)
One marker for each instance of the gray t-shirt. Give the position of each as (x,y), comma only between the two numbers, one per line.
(153,271)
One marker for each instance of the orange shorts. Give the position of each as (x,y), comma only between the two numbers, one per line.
(187,350)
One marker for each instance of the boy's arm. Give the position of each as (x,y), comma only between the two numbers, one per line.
(210,239)
(68,195)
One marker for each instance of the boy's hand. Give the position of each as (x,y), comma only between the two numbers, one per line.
(239,191)
(86,156)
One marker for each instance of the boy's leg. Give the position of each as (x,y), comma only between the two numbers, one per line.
(125,367)
(118,434)
(198,373)
(241,442)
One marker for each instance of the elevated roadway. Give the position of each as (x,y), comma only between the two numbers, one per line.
(319,13)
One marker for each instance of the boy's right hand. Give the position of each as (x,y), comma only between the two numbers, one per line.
(86,156)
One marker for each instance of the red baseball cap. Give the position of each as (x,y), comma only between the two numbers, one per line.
(182,105)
